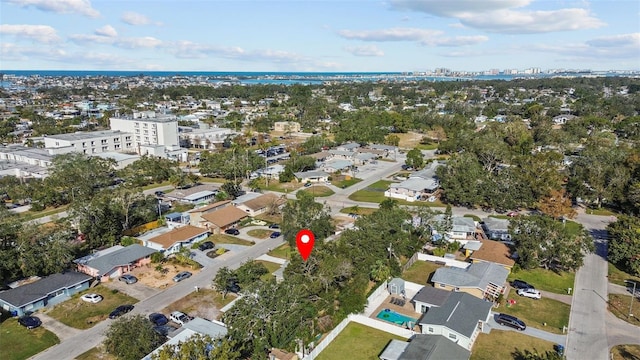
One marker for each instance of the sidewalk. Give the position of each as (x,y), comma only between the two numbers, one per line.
(272,259)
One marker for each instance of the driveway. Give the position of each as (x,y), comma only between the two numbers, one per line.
(537,333)
(62,331)
(138,290)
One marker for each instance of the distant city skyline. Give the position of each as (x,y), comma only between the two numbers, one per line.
(317,36)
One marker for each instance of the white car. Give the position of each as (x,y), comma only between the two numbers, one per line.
(179,317)
(92,298)
(530,293)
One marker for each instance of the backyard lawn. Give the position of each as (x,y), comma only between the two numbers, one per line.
(283,251)
(17,343)
(537,313)
(83,315)
(618,276)
(420,272)
(359,341)
(502,344)
(229,239)
(546,280)
(372,193)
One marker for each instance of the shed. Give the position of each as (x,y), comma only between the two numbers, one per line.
(396,286)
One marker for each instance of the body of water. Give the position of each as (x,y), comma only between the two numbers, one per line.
(396,318)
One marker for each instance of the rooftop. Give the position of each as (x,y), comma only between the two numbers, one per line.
(183,233)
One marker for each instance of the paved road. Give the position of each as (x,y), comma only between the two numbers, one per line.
(85,340)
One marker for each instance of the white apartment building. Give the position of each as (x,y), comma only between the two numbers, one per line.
(91,142)
(148,128)
(204,138)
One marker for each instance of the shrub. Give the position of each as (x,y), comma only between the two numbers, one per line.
(157,257)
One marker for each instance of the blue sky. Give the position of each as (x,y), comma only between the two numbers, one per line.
(329,35)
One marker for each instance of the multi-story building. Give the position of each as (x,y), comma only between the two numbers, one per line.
(91,142)
(148,128)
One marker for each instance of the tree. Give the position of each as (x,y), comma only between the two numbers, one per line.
(542,241)
(415,159)
(624,243)
(557,205)
(131,338)
(306,213)
(232,189)
(225,277)
(250,272)
(380,271)
(200,347)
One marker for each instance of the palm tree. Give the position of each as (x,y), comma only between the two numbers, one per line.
(380,271)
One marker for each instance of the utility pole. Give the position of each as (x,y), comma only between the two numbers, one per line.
(633,294)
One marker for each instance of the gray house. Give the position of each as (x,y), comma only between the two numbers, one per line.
(424,347)
(496,229)
(44,292)
(460,319)
(484,280)
(429,297)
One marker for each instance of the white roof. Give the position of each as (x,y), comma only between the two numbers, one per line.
(199,195)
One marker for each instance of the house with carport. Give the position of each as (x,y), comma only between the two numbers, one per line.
(484,280)
(226,218)
(47,291)
(174,240)
(110,263)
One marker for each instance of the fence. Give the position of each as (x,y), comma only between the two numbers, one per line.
(376,298)
(142,228)
(328,339)
(445,261)
(381,325)
(412,259)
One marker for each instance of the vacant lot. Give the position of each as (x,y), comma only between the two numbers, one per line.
(259,233)
(372,193)
(537,313)
(204,303)
(229,239)
(283,251)
(83,315)
(500,344)
(318,191)
(546,280)
(619,306)
(360,342)
(626,352)
(152,276)
(17,343)
(420,272)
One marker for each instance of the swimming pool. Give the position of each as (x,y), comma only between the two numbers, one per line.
(396,318)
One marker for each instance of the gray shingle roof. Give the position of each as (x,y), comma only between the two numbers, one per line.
(431,295)
(27,294)
(460,313)
(434,347)
(477,275)
(495,224)
(124,256)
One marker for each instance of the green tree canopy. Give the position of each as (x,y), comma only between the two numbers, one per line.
(131,338)
(624,243)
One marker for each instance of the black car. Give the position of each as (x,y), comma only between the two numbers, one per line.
(275,234)
(159,193)
(511,321)
(233,287)
(232,231)
(519,284)
(30,322)
(164,330)
(274,226)
(206,245)
(120,310)
(158,319)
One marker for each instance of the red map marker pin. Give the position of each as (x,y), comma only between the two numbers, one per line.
(304,240)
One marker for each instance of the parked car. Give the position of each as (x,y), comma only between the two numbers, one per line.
(30,322)
(158,319)
(530,293)
(232,231)
(307,184)
(181,276)
(159,193)
(120,310)
(513,214)
(519,284)
(128,279)
(92,298)
(233,287)
(180,318)
(511,321)
(274,226)
(206,245)
(164,330)
(275,234)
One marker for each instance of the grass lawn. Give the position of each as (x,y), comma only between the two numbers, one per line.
(346,183)
(625,352)
(271,267)
(420,272)
(155,185)
(619,306)
(17,343)
(283,251)
(83,315)
(229,239)
(30,215)
(474,217)
(359,341)
(319,191)
(501,344)
(372,193)
(259,233)
(601,211)
(358,210)
(546,280)
(98,353)
(535,313)
(573,227)
(618,276)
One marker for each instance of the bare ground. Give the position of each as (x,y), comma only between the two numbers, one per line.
(149,276)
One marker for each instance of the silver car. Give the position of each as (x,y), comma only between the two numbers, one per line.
(181,276)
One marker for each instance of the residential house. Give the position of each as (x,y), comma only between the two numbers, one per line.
(199,194)
(223,219)
(352,146)
(114,261)
(333,166)
(287,126)
(494,252)
(419,186)
(429,297)
(463,229)
(195,215)
(363,158)
(496,229)
(484,280)
(312,176)
(271,172)
(460,319)
(177,217)
(424,347)
(342,154)
(387,149)
(173,241)
(261,204)
(214,329)
(47,291)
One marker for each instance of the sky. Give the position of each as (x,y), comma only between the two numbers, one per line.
(316,36)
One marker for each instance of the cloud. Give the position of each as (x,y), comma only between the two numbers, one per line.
(190,50)
(504,16)
(82,7)
(133,18)
(367,50)
(456,41)
(612,47)
(82,39)
(622,40)
(138,43)
(79,59)
(106,30)
(422,36)
(39,33)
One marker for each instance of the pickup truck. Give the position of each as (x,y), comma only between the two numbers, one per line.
(180,318)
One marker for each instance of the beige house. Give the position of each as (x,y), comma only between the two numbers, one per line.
(195,215)
(223,219)
(494,252)
(172,242)
(286,126)
(261,204)
(484,280)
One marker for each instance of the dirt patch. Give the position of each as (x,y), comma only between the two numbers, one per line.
(205,303)
(409,140)
(149,276)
